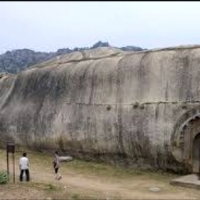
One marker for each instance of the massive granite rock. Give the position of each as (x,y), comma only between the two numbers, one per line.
(134,108)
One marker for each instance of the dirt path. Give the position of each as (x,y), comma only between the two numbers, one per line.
(106,187)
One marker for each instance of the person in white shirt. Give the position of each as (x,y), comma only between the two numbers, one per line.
(24,167)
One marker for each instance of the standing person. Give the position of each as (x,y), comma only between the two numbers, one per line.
(56,165)
(24,167)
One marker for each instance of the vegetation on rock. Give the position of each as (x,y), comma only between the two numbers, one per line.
(20,59)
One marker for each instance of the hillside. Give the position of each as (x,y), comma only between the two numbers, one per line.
(17,60)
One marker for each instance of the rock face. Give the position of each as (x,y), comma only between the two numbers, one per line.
(134,108)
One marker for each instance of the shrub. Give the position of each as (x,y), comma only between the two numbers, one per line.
(3,177)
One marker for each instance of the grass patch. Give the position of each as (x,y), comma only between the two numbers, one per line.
(91,168)
(106,170)
(87,173)
(75,196)
(44,186)
(51,187)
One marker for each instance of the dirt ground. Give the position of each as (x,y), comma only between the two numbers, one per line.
(88,181)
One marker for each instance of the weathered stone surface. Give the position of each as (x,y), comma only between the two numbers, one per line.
(188,181)
(125,107)
(65,158)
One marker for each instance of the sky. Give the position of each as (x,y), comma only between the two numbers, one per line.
(48,26)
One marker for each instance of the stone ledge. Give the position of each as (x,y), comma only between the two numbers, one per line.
(189,181)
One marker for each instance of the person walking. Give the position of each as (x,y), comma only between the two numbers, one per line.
(24,167)
(56,165)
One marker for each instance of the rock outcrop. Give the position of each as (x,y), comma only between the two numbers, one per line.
(134,108)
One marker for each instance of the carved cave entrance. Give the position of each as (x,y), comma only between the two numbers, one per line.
(196,154)
(186,143)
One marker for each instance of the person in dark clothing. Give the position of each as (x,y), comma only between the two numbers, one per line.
(56,165)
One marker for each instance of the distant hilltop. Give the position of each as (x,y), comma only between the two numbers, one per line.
(17,60)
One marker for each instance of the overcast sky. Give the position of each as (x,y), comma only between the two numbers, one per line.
(48,26)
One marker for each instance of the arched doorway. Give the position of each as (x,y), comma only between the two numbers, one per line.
(185,141)
(196,154)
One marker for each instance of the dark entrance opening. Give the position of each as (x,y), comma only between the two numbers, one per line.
(196,154)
